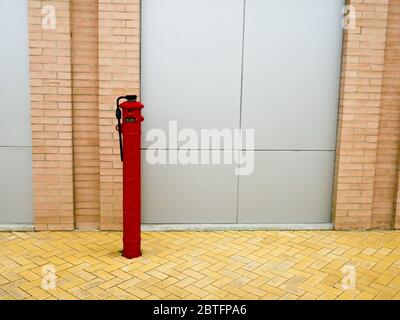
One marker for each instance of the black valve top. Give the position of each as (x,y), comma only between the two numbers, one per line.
(131,97)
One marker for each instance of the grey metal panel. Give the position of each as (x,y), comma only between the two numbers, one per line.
(288,187)
(16,185)
(191,63)
(14,74)
(188,193)
(15,132)
(291,73)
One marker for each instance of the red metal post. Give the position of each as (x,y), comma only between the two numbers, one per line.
(130,154)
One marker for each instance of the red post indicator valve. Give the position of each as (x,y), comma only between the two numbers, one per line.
(129,116)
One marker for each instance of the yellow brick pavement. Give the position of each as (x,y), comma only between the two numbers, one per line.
(201,265)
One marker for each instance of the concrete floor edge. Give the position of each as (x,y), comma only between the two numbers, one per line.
(200,227)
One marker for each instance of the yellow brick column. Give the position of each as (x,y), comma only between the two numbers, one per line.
(393,69)
(85,94)
(396,218)
(119,74)
(51,115)
(359,114)
(386,180)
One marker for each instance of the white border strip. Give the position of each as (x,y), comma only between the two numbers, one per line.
(236,227)
(17,227)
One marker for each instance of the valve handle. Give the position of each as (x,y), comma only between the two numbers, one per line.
(118,115)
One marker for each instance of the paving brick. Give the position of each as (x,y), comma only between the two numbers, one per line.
(86,275)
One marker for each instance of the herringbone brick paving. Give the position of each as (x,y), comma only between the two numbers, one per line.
(202,265)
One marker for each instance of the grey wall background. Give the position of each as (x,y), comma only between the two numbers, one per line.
(15,132)
(273,66)
(291,77)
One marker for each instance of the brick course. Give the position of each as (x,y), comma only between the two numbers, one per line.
(93,56)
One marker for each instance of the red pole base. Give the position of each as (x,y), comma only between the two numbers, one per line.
(131,251)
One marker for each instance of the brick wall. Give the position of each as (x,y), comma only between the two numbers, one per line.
(77,71)
(93,56)
(51,109)
(368,136)
(119,74)
(392,96)
(385,184)
(85,97)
